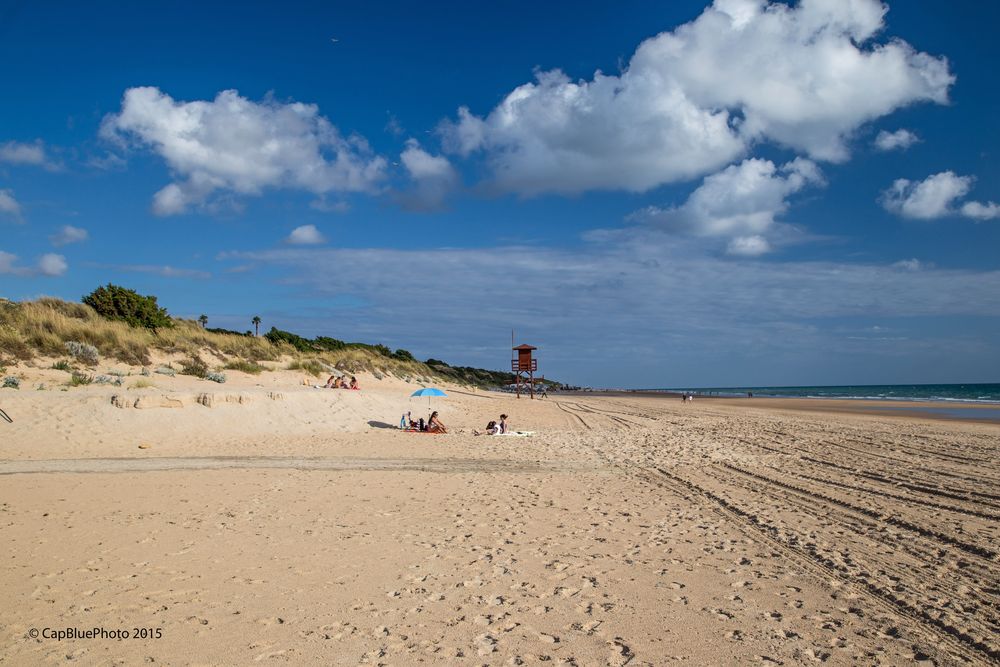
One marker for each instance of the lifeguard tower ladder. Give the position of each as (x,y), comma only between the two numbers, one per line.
(524,367)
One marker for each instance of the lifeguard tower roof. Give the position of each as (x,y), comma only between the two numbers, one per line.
(524,347)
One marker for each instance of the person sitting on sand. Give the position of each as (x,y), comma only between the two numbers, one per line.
(491,429)
(329,382)
(435,425)
(354,383)
(502,425)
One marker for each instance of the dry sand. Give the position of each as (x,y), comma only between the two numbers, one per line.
(264,521)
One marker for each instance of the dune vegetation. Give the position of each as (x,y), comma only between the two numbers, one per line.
(49,327)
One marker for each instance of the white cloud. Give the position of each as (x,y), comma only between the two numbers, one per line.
(913,264)
(741,202)
(162,270)
(10,206)
(107,162)
(748,246)
(48,265)
(14,152)
(668,301)
(926,199)
(51,264)
(696,98)
(232,144)
(898,140)
(8,263)
(432,175)
(981,211)
(643,278)
(306,235)
(68,234)
(935,197)
(325,206)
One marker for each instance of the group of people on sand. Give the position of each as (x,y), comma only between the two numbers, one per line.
(432,425)
(435,425)
(338,382)
(494,427)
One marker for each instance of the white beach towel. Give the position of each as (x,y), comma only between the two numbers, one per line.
(518,434)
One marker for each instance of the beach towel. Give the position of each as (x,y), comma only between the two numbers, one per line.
(516,434)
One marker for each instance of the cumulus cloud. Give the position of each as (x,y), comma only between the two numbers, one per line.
(48,265)
(306,235)
(935,197)
(433,178)
(14,152)
(693,99)
(898,140)
(10,206)
(234,145)
(51,264)
(68,234)
(981,211)
(741,202)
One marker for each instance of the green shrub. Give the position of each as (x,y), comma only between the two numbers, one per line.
(329,344)
(250,367)
(229,332)
(62,365)
(119,303)
(309,365)
(403,355)
(194,366)
(277,336)
(79,379)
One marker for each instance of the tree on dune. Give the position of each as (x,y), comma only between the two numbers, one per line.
(256,325)
(204,321)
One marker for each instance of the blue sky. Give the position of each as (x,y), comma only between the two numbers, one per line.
(655,194)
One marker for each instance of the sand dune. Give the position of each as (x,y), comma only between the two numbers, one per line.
(628,530)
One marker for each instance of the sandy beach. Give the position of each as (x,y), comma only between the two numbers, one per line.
(266,521)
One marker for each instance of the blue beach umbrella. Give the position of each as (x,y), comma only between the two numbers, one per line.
(428,392)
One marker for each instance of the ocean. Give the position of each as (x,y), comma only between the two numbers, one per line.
(960,393)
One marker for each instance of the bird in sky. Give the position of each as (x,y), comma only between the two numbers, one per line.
(334,40)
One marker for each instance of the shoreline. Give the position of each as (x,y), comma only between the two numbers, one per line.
(982,413)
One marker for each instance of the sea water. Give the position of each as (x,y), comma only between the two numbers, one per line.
(958,393)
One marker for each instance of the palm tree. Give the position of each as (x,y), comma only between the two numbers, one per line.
(204,321)
(256,325)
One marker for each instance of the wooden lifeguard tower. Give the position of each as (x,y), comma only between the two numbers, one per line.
(524,367)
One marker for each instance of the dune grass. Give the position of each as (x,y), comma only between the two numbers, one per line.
(244,366)
(43,327)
